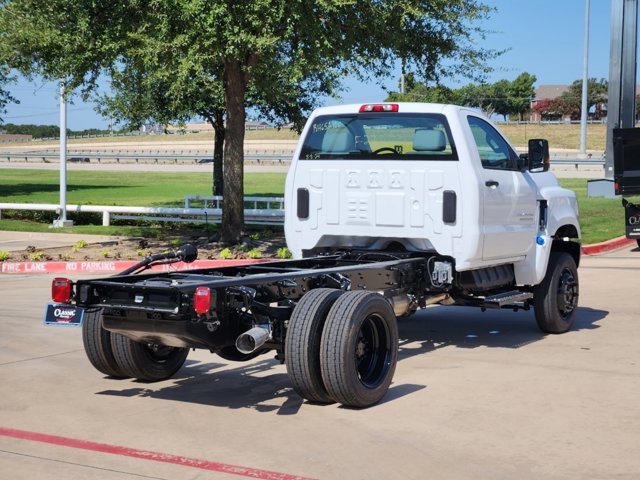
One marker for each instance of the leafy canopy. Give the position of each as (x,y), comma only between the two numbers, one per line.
(265,54)
(5,97)
(503,97)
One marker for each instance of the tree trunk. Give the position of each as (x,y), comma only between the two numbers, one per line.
(232,208)
(218,152)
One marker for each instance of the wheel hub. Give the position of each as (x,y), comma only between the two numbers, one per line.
(371,351)
(567,293)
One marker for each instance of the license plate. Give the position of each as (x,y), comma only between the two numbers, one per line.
(63,315)
(632,212)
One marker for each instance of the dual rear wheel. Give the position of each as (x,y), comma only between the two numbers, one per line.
(120,357)
(342,346)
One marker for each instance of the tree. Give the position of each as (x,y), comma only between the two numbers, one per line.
(503,97)
(419,92)
(556,109)
(480,96)
(521,93)
(501,100)
(260,47)
(141,94)
(597,91)
(5,96)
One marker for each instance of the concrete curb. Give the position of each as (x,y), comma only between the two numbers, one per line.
(608,246)
(118,266)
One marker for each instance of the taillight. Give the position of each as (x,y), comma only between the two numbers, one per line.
(379,107)
(61,290)
(202,300)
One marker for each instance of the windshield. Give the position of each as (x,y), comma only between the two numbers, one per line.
(393,136)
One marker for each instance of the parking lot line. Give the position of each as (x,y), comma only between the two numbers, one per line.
(148,455)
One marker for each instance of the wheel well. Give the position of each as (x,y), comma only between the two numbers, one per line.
(566,231)
(572,248)
(395,246)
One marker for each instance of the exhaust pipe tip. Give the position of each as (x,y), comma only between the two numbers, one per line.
(253,339)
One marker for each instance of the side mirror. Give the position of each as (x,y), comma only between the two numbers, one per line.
(538,155)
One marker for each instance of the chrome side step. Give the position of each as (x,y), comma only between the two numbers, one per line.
(514,297)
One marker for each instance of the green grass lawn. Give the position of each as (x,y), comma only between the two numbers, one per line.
(122,188)
(601,219)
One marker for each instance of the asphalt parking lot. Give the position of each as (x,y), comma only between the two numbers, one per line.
(475,395)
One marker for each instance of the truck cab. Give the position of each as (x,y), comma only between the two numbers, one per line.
(423,177)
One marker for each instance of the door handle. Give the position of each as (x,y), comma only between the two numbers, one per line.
(492,183)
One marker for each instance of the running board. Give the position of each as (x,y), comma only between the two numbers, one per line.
(507,298)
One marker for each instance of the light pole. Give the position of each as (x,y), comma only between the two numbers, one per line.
(585,81)
(62,220)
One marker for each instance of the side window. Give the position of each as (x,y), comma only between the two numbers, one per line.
(494,151)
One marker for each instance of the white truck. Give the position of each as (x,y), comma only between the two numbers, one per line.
(390,207)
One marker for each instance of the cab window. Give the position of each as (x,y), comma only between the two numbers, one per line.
(495,152)
(380,136)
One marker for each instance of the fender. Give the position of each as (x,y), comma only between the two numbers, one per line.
(562,212)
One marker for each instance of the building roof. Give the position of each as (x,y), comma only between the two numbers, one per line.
(550,92)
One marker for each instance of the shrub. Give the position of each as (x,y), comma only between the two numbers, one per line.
(78,245)
(36,256)
(226,254)
(4,256)
(284,253)
(254,253)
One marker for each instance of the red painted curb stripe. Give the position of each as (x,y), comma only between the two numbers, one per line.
(608,246)
(112,266)
(148,455)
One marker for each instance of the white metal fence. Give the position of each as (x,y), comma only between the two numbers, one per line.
(258,210)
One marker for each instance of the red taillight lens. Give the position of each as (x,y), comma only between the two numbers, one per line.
(379,107)
(202,300)
(61,290)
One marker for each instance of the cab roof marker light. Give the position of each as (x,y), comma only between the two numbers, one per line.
(61,290)
(379,107)
(202,300)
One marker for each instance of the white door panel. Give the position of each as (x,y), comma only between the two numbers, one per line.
(509,218)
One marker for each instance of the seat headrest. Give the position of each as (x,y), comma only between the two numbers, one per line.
(429,140)
(338,141)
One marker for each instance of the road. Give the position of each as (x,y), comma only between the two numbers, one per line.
(475,395)
(561,171)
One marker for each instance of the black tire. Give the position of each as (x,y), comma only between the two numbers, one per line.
(302,346)
(141,361)
(359,348)
(556,298)
(97,345)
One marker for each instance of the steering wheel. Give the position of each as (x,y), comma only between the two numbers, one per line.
(384,149)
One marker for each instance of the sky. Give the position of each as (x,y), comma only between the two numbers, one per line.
(543,37)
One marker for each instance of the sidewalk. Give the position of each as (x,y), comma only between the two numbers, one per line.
(18,241)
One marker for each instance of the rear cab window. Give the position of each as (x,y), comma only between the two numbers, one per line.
(380,136)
